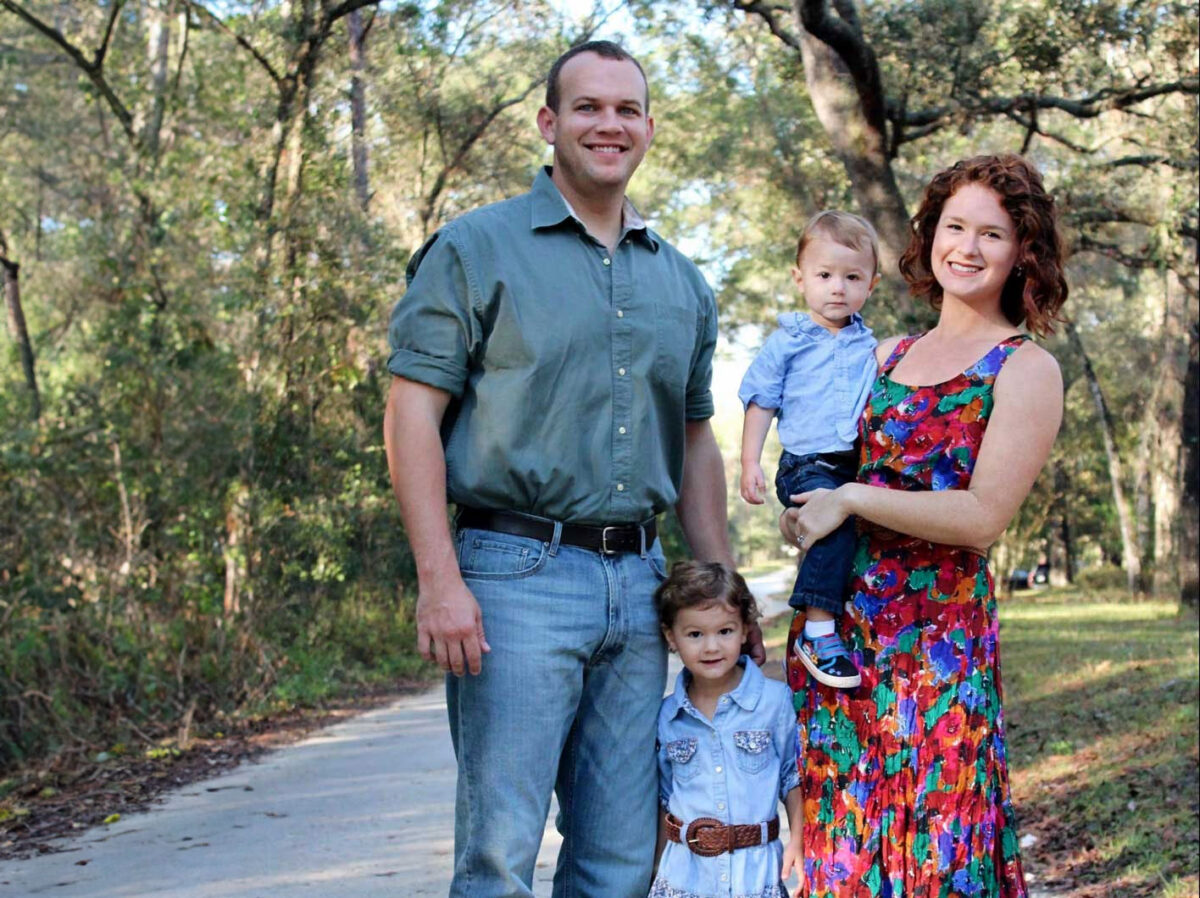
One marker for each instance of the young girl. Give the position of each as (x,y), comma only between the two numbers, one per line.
(726,748)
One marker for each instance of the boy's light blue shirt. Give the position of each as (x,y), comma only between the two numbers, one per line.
(734,768)
(816,381)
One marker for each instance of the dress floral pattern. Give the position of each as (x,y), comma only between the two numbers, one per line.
(905,780)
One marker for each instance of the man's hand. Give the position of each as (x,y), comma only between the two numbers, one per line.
(450,627)
(753,483)
(753,646)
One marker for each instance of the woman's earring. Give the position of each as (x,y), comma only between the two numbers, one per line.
(1019,271)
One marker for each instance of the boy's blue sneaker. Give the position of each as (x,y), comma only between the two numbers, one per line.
(828,660)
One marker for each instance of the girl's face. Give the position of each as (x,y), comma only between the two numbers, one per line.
(709,642)
(974,247)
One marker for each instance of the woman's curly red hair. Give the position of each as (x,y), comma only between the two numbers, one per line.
(1036,289)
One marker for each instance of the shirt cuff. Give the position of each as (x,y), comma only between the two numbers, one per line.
(699,408)
(442,374)
(788,782)
(762,400)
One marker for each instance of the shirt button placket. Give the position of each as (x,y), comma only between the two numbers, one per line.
(617,270)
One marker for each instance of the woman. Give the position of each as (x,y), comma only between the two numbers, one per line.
(905,780)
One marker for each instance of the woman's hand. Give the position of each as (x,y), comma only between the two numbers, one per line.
(821,512)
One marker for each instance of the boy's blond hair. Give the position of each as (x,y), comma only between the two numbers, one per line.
(844,228)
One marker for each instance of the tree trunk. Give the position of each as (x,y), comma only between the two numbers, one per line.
(358,109)
(1131,555)
(1167,459)
(158,42)
(16,325)
(851,108)
(1062,486)
(1189,535)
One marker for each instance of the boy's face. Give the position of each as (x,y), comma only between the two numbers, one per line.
(835,281)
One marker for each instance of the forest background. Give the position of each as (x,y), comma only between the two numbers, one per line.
(208,208)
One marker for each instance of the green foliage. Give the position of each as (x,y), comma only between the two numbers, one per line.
(202,519)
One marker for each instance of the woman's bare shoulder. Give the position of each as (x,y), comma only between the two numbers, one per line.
(1032,363)
(884,348)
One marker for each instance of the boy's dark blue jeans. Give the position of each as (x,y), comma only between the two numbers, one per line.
(821,580)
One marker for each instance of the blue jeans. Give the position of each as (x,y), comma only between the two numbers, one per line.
(567,701)
(821,580)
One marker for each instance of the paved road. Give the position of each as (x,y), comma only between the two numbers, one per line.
(363,809)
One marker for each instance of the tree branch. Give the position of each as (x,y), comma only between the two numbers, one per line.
(1148,160)
(102,50)
(92,68)
(767,13)
(241,41)
(1120,99)
(344,9)
(843,36)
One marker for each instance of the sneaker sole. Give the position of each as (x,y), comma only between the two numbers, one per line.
(821,677)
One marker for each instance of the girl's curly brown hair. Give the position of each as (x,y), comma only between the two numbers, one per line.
(702,584)
(1036,289)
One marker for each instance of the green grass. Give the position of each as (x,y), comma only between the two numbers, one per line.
(1101,704)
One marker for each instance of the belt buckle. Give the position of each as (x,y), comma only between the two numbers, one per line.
(696,826)
(604,549)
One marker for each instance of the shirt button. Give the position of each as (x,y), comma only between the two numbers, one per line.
(620,314)
(720,805)
(620,430)
(620,487)
(608,261)
(719,768)
(724,877)
(621,371)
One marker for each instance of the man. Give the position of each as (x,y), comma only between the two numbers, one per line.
(552,360)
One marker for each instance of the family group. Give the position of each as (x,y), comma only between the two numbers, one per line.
(551,364)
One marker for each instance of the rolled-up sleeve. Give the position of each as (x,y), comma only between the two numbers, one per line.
(698,405)
(434,331)
(763,381)
(786,743)
(787,739)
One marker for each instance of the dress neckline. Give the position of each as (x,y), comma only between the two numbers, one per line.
(901,350)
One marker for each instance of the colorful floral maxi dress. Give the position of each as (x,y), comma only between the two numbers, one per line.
(905,780)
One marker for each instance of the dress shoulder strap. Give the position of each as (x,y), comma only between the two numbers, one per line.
(898,352)
(989,366)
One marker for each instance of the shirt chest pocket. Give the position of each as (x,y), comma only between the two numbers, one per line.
(754,750)
(674,343)
(682,755)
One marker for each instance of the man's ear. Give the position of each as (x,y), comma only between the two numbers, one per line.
(547,122)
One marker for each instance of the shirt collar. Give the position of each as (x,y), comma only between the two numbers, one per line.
(798,323)
(746,694)
(550,209)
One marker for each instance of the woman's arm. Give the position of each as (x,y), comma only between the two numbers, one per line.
(1020,433)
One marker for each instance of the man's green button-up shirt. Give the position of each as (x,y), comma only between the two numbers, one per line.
(572,371)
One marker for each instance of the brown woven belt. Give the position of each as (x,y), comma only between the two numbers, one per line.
(708,837)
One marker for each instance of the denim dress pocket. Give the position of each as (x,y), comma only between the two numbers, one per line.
(486,555)
(754,750)
(682,754)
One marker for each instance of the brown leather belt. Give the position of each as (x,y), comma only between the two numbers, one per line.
(608,540)
(708,837)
